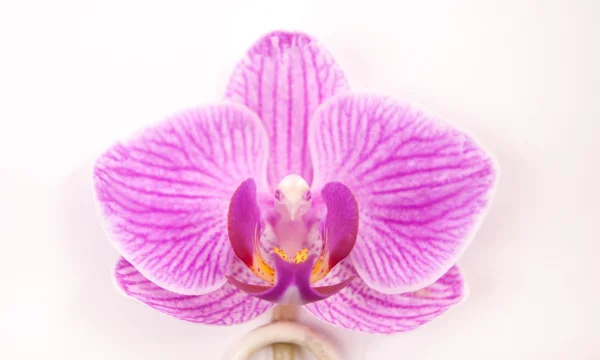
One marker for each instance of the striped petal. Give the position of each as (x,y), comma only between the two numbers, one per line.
(224,306)
(164,194)
(421,185)
(283,79)
(359,307)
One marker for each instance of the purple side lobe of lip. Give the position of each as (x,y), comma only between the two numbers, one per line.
(244,222)
(341,222)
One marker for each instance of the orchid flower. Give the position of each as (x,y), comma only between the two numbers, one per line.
(296,190)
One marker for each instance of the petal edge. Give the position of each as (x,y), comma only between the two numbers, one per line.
(163,195)
(224,306)
(358,307)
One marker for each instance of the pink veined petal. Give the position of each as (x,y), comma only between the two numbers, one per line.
(283,79)
(359,307)
(224,306)
(164,194)
(421,185)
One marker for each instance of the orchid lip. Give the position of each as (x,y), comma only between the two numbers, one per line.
(292,286)
(292,269)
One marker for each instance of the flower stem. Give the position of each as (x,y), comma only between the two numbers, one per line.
(286,337)
(284,351)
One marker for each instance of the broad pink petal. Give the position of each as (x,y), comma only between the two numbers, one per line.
(283,79)
(224,306)
(422,186)
(164,194)
(359,307)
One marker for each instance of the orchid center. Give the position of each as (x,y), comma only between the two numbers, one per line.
(292,201)
(293,229)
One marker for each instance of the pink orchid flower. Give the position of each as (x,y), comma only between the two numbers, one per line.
(295,189)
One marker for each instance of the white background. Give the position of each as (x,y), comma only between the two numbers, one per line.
(522,76)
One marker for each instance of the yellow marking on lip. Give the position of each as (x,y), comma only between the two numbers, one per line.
(320,268)
(281,253)
(264,271)
(301,256)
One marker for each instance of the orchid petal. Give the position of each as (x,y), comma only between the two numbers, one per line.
(224,306)
(359,307)
(164,194)
(421,185)
(283,79)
